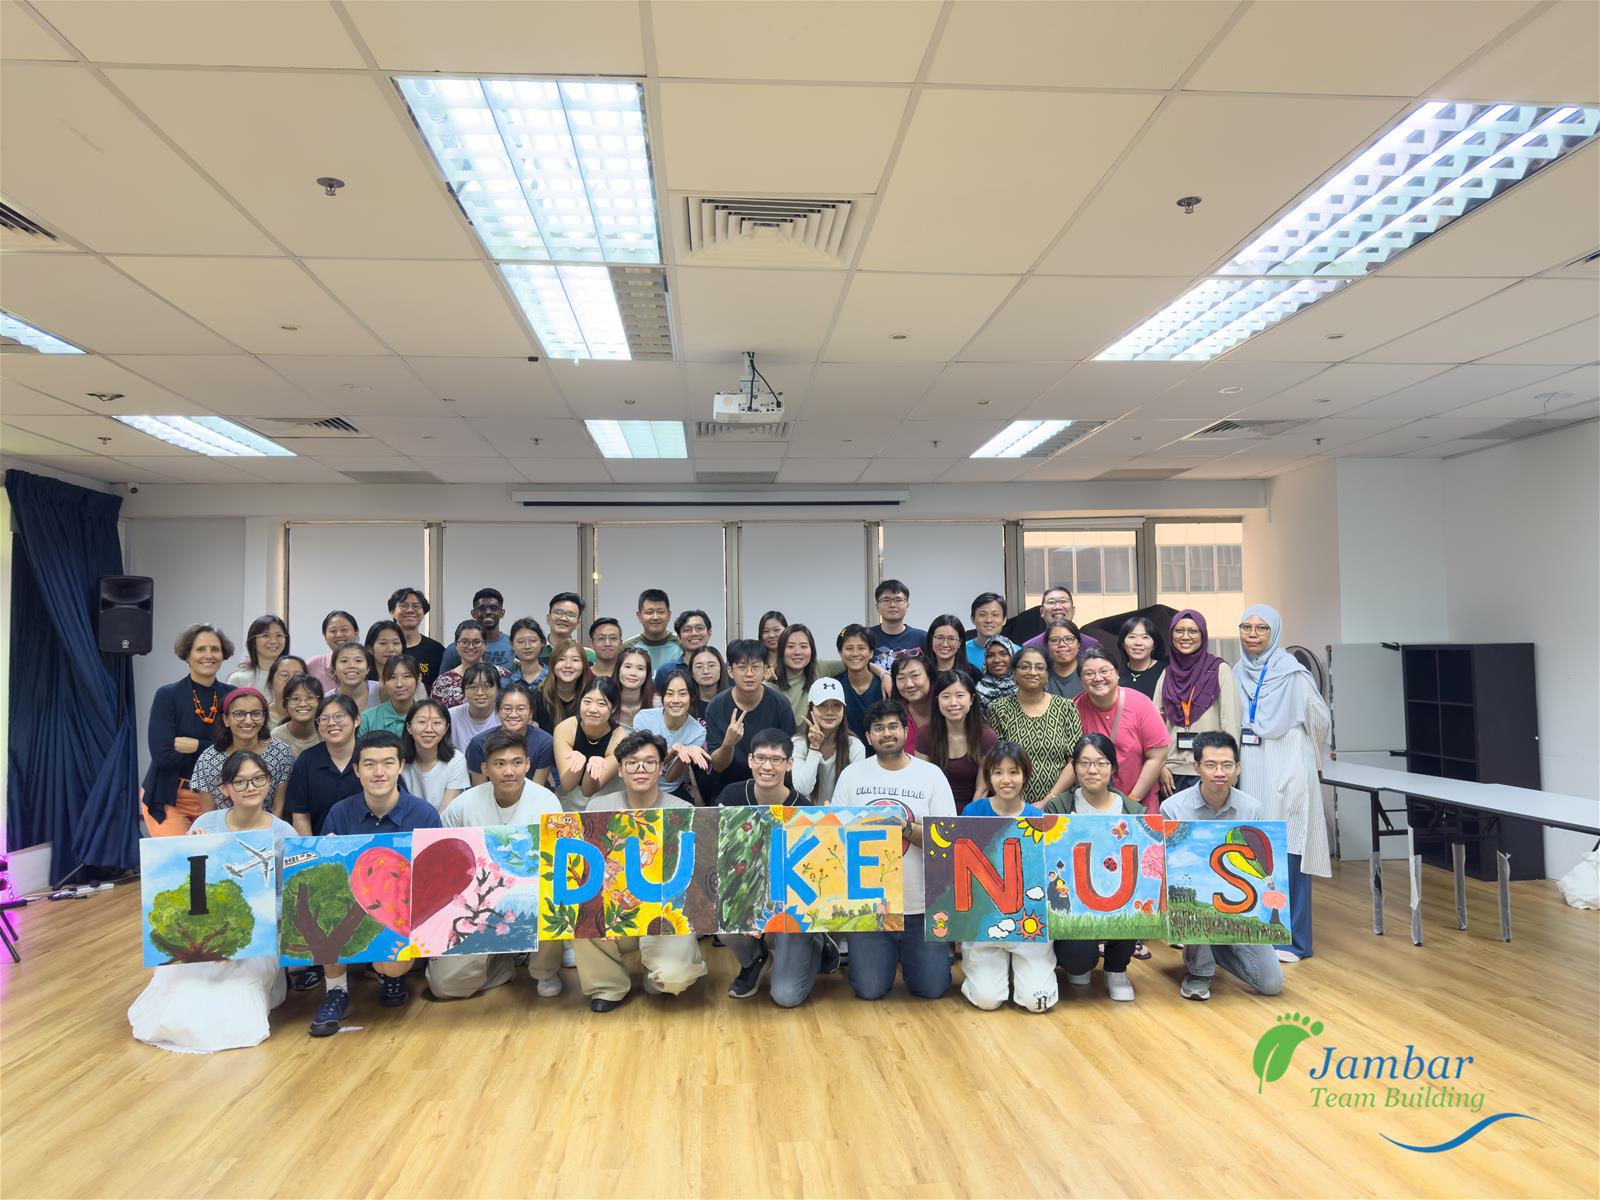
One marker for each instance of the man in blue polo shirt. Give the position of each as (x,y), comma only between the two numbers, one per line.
(380,807)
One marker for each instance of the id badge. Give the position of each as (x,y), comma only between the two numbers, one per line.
(1249,737)
(1186,742)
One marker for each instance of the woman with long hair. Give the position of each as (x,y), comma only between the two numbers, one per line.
(799,667)
(709,670)
(1143,655)
(402,679)
(945,645)
(266,639)
(674,723)
(286,668)
(584,743)
(478,712)
(325,774)
(386,640)
(244,727)
(634,672)
(769,630)
(352,662)
(824,747)
(955,740)
(434,769)
(301,696)
(557,697)
(1062,642)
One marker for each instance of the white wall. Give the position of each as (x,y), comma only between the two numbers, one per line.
(816,575)
(1521,565)
(1391,550)
(350,566)
(1291,558)
(685,561)
(945,565)
(527,563)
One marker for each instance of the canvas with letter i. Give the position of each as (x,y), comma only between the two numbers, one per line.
(208,898)
(1106,878)
(985,878)
(1226,882)
(475,891)
(345,899)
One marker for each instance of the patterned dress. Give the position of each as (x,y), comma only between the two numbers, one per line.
(1049,739)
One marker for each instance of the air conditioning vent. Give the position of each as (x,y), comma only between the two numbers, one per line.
(772,431)
(1137,473)
(1525,427)
(745,477)
(14,222)
(312,426)
(389,477)
(646,319)
(1243,431)
(770,231)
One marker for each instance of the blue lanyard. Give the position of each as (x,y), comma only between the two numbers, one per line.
(1254,699)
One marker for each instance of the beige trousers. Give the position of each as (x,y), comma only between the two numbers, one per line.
(671,962)
(457,976)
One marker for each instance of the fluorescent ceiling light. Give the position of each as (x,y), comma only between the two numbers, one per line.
(572,309)
(16,334)
(1440,162)
(211,436)
(639,439)
(1019,439)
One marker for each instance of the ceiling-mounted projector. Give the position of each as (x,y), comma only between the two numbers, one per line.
(755,402)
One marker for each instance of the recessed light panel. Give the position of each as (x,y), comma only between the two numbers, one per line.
(211,436)
(1033,439)
(17,336)
(1441,161)
(639,439)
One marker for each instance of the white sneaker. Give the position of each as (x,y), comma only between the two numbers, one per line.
(569,955)
(1117,985)
(1079,980)
(550,987)
(1287,956)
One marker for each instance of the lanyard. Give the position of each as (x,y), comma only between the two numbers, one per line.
(1256,698)
(1185,705)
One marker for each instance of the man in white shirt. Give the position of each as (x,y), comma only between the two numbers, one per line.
(507,797)
(919,790)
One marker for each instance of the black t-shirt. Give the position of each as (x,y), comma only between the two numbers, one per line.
(773,712)
(316,785)
(743,795)
(429,654)
(1026,624)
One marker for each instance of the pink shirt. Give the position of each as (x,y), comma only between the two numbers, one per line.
(1139,729)
(320,668)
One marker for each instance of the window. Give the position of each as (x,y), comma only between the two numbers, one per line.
(1174,569)
(1100,566)
(1118,568)
(1088,564)
(1230,569)
(1202,568)
(1033,573)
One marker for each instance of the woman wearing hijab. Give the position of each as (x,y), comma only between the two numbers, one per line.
(1196,693)
(1283,738)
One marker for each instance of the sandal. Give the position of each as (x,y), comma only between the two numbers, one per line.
(1140,950)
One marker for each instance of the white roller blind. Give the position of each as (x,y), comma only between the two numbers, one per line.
(526,563)
(354,567)
(816,575)
(944,565)
(685,561)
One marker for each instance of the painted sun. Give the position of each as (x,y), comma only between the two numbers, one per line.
(1031,926)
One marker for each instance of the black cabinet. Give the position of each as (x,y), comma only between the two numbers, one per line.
(1472,713)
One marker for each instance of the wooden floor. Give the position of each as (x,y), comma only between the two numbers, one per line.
(510,1095)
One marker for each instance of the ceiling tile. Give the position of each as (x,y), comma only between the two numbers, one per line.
(905,470)
(1098,390)
(989,390)
(289,470)
(720,313)
(728,454)
(1555,59)
(15,440)
(65,134)
(822,470)
(22,37)
(877,391)
(527,440)
(970,190)
(23,401)
(1362,316)
(1449,389)
(428,308)
(743,139)
(96,435)
(624,391)
(480,469)
(230,384)
(1074,464)
(1201,393)
(355,386)
(842,437)
(86,302)
(1337,389)
(1541,222)
(336,461)
(1543,398)
(937,313)
(1022,43)
(250,300)
(1362,47)
(572,37)
(1324,437)
(837,41)
(241,33)
(1577,343)
(1244,156)
(1063,318)
(985,470)
(555,470)
(623,470)
(349,450)
(431,437)
(954,437)
(1508,318)
(1133,436)
(266,137)
(197,468)
(71,377)
(493,387)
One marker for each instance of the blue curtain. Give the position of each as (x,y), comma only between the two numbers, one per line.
(73,771)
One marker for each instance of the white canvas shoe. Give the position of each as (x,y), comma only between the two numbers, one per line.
(1117,985)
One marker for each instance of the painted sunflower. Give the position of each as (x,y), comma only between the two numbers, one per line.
(1048,828)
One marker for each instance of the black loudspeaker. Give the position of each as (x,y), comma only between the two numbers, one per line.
(124,625)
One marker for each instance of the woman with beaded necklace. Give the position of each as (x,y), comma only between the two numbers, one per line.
(184,719)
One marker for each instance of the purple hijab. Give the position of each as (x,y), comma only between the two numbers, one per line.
(1195,673)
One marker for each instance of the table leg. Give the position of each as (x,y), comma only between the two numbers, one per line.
(1415,860)
(1503,870)
(1458,858)
(1377,869)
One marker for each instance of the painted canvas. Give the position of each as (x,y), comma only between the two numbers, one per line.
(1106,878)
(475,891)
(690,833)
(601,874)
(744,843)
(1225,882)
(345,899)
(840,871)
(208,898)
(985,878)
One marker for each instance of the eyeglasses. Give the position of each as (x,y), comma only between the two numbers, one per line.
(563,614)
(893,600)
(641,766)
(480,687)
(1062,641)
(946,639)
(1097,676)
(888,727)
(1255,629)
(254,715)
(408,606)
(1093,764)
(515,710)
(333,719)
(748,668)
(470,643)
(254,783)
(695,627)
(768,760)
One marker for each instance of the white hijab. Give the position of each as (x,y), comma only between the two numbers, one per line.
(1268,679)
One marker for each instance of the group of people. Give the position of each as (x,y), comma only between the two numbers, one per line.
(1010,716)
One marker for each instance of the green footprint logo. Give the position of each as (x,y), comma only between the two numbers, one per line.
(1278,1044)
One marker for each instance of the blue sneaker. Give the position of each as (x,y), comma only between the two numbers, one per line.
(335,1007)
(392,991)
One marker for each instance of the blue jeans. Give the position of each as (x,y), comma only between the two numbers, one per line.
(1255,966)
(796,959)
(1299,909)
(874,956)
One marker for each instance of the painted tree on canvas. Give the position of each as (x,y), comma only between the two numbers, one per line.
(321,920)
(219,933)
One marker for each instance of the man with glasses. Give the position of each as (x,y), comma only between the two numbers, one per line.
(796,958)
(735,716)
(516,718)
(468,650)
(605,646)
(407,606)
(670,962)
(561,619)
(488,606)
(1130,720)
(693,627)
(655,611)
(1056,605)
(892,637)
(916,790)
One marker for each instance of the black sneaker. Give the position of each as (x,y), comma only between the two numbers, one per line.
(306,978)
(392,992)
(748,981)
(830,956)
(335,1007)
